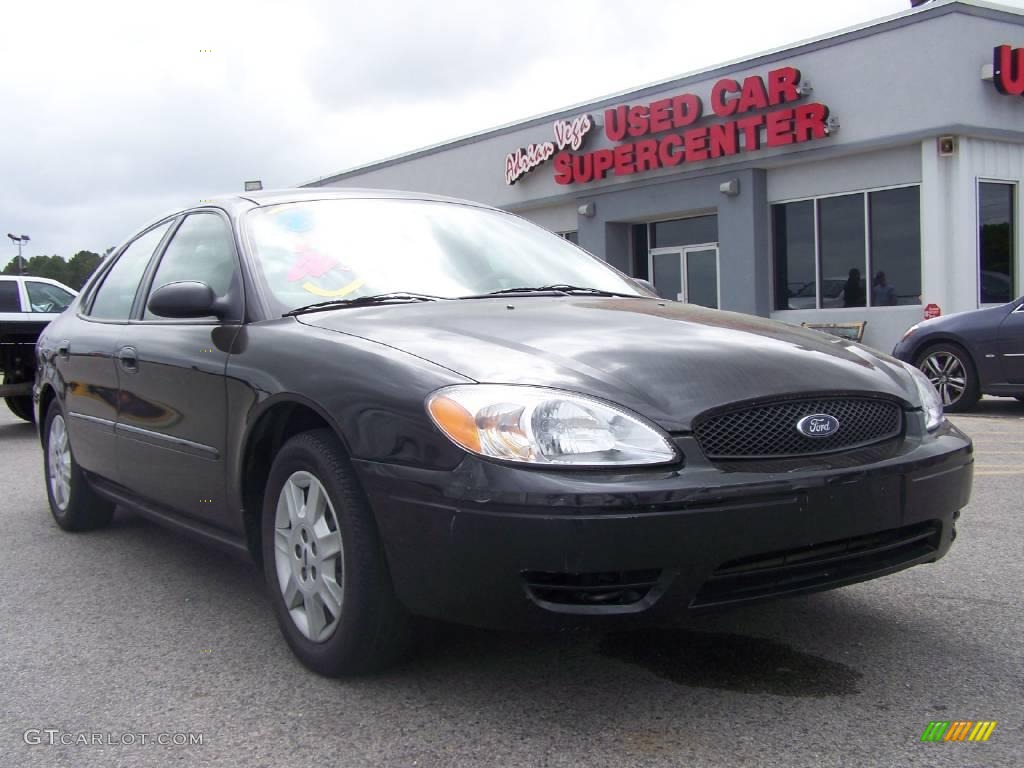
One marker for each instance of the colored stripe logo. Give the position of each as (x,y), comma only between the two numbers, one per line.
(958,730)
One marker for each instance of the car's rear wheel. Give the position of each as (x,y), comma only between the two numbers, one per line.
(21,407)
(74,504)
(324,563)
(952,373)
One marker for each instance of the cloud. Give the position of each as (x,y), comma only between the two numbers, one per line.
(113,115)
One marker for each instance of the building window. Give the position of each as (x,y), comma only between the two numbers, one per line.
(895,216)
(995,242)
(572,237)
(695,230)
(796,283)
(855,250)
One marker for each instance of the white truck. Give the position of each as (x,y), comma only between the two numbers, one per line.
(27,304)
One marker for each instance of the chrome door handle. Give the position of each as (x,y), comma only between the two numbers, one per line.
(64,349)
(128,359)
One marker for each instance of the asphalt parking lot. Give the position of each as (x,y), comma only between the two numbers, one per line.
(133,630)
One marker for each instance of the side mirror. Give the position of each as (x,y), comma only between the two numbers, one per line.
(186,299)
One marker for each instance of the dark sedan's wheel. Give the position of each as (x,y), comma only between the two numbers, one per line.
(951,371)
(73,502)
(21,407)
(324,563)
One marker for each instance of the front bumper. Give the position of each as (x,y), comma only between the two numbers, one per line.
(503,546)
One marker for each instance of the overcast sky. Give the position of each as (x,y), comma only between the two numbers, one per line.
(113,114)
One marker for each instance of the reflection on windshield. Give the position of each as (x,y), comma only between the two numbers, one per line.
(331,249)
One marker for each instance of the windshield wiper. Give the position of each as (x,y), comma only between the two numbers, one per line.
(362,301)
(557,288)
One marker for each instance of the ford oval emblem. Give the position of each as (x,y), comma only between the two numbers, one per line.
(818,425)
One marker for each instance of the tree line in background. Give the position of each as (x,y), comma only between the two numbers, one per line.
(72,272)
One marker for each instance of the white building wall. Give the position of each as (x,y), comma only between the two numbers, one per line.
(949,216)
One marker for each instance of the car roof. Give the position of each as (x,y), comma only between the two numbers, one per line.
(247,200)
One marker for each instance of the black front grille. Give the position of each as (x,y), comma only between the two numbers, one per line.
(605,588)
(818,566)
(769,430)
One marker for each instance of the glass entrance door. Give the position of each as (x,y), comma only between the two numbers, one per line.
(688,274)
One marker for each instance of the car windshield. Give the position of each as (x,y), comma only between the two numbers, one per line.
(343,249)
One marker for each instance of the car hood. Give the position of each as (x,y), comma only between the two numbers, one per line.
(665,360)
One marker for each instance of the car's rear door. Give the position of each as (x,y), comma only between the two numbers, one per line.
(172,421)
(85,355)
(1011,344)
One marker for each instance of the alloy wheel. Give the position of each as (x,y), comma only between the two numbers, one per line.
(947,374)
(58,456)
(308,556)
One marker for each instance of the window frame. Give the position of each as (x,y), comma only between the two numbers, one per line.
(1015,214)
(139,307)
(19,292)
(86,304)
(865,194)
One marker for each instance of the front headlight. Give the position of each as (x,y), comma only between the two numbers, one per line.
(534,425)
(931,403)
(910,330)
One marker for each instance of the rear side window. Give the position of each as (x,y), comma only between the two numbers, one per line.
(117,292)
(202,249)
(43,297)
(9,296)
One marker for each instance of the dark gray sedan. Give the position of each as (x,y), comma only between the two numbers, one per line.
(404,406)
(970,354)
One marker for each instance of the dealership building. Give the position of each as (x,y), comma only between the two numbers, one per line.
(870,175)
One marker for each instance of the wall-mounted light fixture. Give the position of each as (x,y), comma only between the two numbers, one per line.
(805,88)
(253,186)
(586,209)
(946,146)
(730,187)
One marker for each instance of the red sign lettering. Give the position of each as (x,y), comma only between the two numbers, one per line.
(662,134)
(1008,70)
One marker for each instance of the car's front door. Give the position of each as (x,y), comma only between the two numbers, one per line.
(85,358)
(172,421)
(1011,345)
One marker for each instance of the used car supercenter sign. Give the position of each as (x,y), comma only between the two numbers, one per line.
(667,133)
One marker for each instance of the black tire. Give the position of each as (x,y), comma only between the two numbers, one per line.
(21,407)
(84,509)
(372,629)
(971,393)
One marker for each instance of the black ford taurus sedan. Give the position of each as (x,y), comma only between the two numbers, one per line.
(405,406)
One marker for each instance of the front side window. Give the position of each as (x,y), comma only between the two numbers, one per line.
(324,249)
(43,297)
(116,293)
(995,242)
(202,249)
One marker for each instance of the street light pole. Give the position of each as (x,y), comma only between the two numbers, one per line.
(19,240)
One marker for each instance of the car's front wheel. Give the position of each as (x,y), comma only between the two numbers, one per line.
(74,504)
(951,371)
(324,563)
